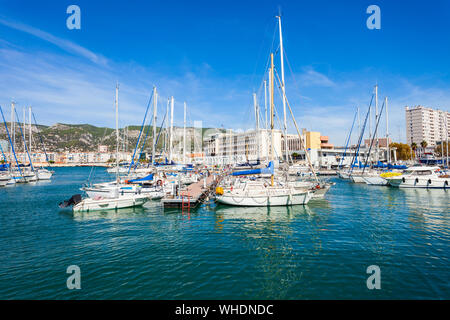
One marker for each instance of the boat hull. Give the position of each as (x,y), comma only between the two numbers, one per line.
(264,200)
(377,181)
(89,204)
(414,182)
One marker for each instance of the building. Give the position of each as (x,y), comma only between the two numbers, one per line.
(102,149)
(381,142)
(426,124)
(234,147)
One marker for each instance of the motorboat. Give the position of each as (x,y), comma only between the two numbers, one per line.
(421,177)
(4,178)
(99,203)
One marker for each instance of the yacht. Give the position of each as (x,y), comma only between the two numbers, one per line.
(421,177)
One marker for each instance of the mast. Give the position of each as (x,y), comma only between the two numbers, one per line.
(265,102)
(446,129)
(29,120)
(171,129)
(271,114)
(117,132)
(13,127)
(255,103)
(155,101)
(283,88)
(376,120)
(387,131)
(184,134)
(24,137)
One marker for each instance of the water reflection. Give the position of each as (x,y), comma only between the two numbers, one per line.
(111,215)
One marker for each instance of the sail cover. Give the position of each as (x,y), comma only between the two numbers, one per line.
(266,170)
(147,178)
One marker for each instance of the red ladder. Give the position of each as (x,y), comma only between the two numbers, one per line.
(185,204)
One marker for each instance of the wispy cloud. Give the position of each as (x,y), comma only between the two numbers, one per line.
(312,77)
(64,44)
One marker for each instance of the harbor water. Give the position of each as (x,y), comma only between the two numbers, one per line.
(318,251)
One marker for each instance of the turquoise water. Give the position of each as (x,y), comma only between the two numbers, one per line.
(320,251)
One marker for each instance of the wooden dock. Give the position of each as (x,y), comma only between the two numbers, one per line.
(193,195)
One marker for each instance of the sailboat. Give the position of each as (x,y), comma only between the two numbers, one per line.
(119,199)
(263,192)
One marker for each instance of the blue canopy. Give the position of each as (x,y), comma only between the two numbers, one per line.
(268,170)
(147,178)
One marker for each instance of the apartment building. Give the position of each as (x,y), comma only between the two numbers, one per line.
(426,124)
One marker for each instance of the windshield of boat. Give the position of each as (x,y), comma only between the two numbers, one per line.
(418,172)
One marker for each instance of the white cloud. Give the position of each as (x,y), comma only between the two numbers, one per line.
(64,44)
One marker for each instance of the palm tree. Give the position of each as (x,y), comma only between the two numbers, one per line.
(414,148)
(423,144)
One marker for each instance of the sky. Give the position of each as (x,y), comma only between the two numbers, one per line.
(213,55)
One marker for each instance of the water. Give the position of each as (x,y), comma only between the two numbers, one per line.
(320,251)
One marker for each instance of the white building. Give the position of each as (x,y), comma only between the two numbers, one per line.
(426,124)
(234,147)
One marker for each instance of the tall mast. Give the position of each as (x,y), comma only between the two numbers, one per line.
(24,137)
(184,135)
(271,112)
(283,89)
(29,120)
(117,132)
(155,101)
(387,131)
(446,129)
(255,103)
(265,103)
(171,129)
(13,127)
(376,120)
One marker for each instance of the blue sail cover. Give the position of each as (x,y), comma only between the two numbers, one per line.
(147,178)
(267,170)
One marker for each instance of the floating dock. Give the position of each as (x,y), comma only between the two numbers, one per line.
(193,195)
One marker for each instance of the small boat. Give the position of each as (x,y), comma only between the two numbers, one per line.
(107,190)
(99,203)
(421,177)
(4,178)
(44,174)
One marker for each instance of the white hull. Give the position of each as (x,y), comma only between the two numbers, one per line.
(4,180)
(150,193)
(378,181)
(416,182)
(120,202)
(43,174)
(357,179)
(265,200)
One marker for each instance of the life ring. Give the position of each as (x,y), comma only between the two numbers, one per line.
(159,182)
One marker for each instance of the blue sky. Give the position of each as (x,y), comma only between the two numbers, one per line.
(212,54)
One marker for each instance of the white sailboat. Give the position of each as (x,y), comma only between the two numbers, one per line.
(119,199)
(259,193)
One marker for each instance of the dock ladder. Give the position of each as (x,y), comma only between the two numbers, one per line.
(185,201)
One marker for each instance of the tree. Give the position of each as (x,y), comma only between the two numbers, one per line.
(439,148)
(403,151)
(414,148)
(423,144)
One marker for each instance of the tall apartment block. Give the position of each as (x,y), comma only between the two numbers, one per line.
(426,124)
